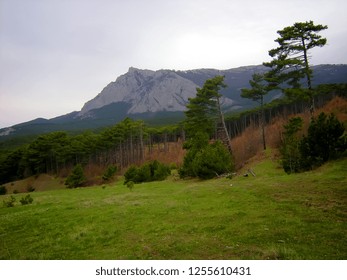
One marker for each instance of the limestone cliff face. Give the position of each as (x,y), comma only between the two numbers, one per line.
(146,91)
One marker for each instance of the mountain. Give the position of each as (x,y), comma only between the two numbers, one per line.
(146,91)
(159,95)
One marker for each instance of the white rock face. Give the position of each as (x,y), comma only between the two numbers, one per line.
(7,131)
(146,91)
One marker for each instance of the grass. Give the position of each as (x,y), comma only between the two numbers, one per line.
(270,216)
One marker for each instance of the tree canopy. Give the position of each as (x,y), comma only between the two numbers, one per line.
(202,110)
(258,89)
(290,61)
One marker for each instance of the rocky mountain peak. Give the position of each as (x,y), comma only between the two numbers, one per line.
(145,91)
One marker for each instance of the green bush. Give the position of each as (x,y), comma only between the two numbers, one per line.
(325,140)
(152,171)
(186,169)
(3,190)
(205,160)
(26,200)
(10,201)
(130,185)
(109,173)
(130,174)
(161,172)
(212,161)
(194,146)
(291,157)
(143,174)
(76,178)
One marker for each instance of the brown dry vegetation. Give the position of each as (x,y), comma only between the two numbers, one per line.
(249,144)
(167,153)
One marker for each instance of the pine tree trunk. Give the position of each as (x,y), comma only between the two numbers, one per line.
(263,121)
(308,77)
(222,132)
(142,149)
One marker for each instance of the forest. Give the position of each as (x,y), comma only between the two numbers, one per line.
(124,144)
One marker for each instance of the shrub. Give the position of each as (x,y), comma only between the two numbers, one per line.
(205,160)
(152,171)
(3,190)
(109,173)
(143,174)
(130,174)
(194,146)
(325,140)
(26,200)
(76,178)
(213,160)
(161,173)
(186,169)
(291,158)
(10,201)
(130,185)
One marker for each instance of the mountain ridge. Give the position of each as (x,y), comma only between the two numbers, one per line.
(143,88)
(143,93)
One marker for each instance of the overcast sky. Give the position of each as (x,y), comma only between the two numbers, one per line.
(57,54)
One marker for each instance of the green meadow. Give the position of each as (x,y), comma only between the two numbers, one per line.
(270,216)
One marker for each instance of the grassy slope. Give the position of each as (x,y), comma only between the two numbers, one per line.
(271,216)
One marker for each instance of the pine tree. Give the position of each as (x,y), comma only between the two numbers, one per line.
(259,87)
(204,111)
(76,178)
(291,59)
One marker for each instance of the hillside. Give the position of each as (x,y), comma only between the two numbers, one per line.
(248,143)
(270,216)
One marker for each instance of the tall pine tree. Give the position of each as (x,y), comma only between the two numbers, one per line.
(291,59)
(203,116)
(259,87)
(204,113)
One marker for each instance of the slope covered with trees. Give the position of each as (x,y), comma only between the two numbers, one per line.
(121,145)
